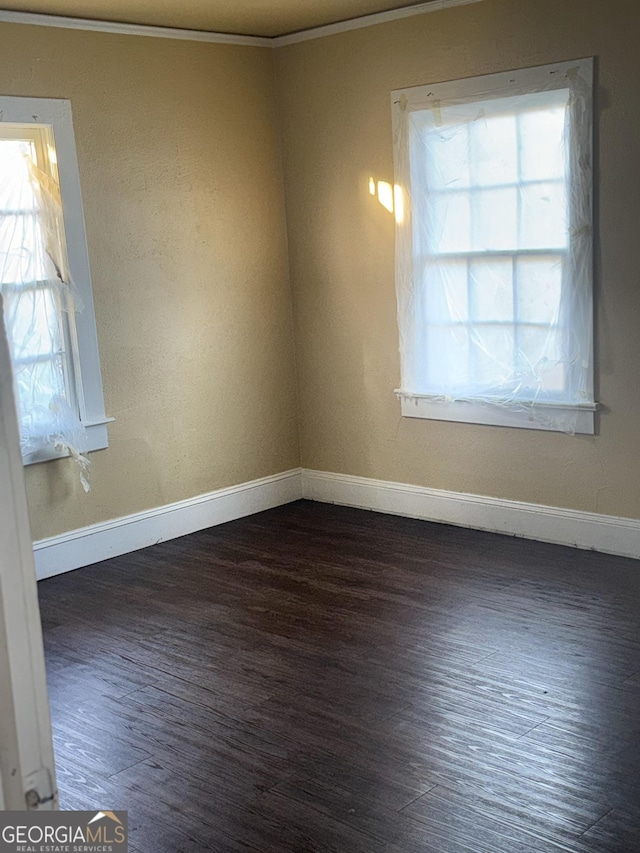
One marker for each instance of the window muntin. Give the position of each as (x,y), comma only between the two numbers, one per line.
(494,259)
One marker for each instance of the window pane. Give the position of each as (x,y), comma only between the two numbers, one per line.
(495,222)
(446,158)
(37,385)
(449,223)
(15,189)
(446,288)
(543,223)
(539,288)
(493,353)
(32,323)
(447,358)
(22,254)
(495,150)
(492,290)
(542,144)
(540,361)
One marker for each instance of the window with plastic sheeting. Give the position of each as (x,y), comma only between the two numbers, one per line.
(494,257)
(45,284)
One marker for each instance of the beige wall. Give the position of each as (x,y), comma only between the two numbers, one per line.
(337,132)
(179,164)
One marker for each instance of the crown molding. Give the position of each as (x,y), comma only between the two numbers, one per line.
(86,24)
(368,21)
(113,27)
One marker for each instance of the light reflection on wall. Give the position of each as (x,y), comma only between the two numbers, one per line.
(390,197)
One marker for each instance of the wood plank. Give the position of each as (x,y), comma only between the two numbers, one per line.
(317,678)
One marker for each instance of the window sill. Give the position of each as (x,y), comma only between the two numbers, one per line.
(97,439)
(542,416)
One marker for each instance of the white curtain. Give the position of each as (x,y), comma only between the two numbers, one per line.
(494,248)
(37,295)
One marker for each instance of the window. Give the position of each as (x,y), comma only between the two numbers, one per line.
(494,248)
(45,282)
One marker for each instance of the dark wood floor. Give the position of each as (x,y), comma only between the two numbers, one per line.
(316,678)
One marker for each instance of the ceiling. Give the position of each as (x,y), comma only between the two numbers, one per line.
(245,17)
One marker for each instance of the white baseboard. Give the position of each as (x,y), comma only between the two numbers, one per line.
(97,542)
(122,535)
(587,530)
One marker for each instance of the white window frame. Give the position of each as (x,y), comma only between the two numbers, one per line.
(536,415)
(87,378)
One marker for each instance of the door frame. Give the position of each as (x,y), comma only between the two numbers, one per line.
(27,768)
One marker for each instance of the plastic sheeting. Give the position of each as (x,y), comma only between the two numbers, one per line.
(494,241)
(38,298)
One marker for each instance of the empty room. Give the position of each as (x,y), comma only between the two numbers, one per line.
(320,426)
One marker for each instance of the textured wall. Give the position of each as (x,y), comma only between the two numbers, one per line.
(179,164)
(337,132)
